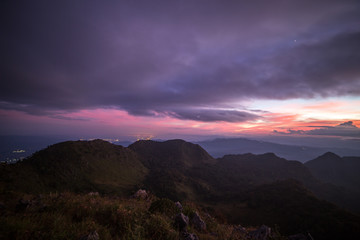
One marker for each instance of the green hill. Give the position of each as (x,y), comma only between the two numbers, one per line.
(76,166)
(172,165)
(247,189)
(291,206)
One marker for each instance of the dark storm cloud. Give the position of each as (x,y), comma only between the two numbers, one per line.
(346,129)
(164,57)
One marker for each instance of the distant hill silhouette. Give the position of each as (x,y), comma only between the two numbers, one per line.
(265,168)
(222,146)
(248,170)
(291,206)
(341,171)
(248,189)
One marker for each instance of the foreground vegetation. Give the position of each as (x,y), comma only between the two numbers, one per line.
(248,189)
(73,216)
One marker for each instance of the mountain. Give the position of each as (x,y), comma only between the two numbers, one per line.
(76,166)
(171,154)
(15,148)
(265,168)
(249,170)
(341,171)
(294,208)
(222,146)
(248,189)
(246,171)
(171,167)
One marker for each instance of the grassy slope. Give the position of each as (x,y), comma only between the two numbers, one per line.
(180,170)
(291,206)
(171,165)
(76,166)
(244,171)
(70,216)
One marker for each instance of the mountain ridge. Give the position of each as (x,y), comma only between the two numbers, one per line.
(77,165)
(221,146)
(177,170)
(342,171)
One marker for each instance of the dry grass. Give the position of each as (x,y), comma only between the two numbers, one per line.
(70,216)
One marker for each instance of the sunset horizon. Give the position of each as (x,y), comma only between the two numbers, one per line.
(192,70)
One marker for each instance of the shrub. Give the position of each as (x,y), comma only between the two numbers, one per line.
(164,206)
(158,227)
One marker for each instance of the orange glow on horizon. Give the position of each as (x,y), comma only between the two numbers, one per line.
(119,122)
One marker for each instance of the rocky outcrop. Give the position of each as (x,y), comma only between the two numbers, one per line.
(188,236)
(181,221)
(239,232)
(301,236)
(198,223)
(179,206)
(91,236)
(262,233)
(94,194)
(141,194)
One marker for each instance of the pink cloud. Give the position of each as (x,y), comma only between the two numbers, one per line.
(113,122)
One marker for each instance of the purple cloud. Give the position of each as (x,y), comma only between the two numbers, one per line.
(169,58)
(211,115)
(346,129)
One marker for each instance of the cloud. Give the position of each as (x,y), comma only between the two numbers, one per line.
(346,129)
(174,58)
(211,115)
(70,118)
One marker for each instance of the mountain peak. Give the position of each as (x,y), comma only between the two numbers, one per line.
(326,158)
(270,155)
(330,154)
(174,153)
(82,166)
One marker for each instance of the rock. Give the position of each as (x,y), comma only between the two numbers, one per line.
(179,206)
(263,233)
(309,236)
(240,230)
(181,221)
(91,236)
(93,194)
(189,236)
(198,223)
(140,194)
(301,236)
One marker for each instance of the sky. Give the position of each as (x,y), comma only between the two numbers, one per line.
(180,69)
